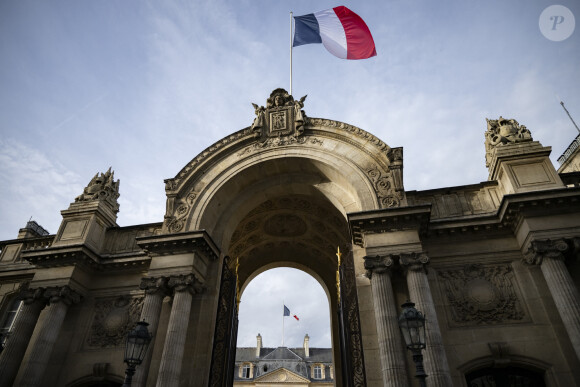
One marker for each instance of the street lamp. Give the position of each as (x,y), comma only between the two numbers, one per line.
(412,324)
(135,349)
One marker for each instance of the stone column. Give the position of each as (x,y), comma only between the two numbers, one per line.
(170,367)
(16,345)
(549,254)
(391,346)
(32,371)
(435,359)
(155,291)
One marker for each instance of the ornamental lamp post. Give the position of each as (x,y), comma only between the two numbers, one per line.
(412,324)
(136,346)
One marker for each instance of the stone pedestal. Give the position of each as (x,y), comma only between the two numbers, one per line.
(549,254)
(391,346)
(17,343)
(172,358)
(32,370)
(435,359)
(155,291)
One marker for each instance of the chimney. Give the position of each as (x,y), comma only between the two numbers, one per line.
(306,348)
(258,345)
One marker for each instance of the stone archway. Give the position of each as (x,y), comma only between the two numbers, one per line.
(278,192)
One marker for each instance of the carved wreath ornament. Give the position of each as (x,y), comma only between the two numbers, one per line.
(482,295)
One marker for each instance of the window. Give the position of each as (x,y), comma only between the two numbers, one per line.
(246,371)
(317,373)
(8,319)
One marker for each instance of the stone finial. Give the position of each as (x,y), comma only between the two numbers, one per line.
(102,187)
(504,132)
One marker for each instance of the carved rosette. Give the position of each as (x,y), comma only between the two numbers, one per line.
(482,295)
(378,264)
(414,261)
(185,282)
(113,319)
(545,249)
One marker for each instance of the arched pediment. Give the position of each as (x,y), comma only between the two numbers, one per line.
(284,150)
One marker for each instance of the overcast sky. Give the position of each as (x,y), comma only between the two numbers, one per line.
(144,86)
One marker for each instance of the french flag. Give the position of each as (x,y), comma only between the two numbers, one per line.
(343,33)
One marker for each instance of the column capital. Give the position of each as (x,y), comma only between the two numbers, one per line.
(185,282)
(545,249)
(378,264)
(414,261)
(154,285)
(63,294)
(30,296)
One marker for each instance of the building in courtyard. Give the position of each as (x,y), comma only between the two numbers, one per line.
(493,265)
(304,366)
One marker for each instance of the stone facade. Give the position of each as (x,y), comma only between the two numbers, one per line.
(493,265)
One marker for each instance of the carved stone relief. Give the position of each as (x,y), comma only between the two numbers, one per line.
(502,132)
(113,319)
(482,295)
(102,187)
(382,183)
(176,222)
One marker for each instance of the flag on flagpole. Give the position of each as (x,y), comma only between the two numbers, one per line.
(287,313)
(342,32)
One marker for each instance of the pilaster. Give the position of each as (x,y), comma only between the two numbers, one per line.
(183,286)
(436,363)
(391,347)
(155,290)
(549,254)
(32,370)
(11,357)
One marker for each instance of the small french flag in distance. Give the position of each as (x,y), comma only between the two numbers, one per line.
(342,32)
(287,313)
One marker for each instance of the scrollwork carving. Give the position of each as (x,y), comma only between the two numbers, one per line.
(414,261)
(384,188)
(378,264)
(176,222)
(61,294)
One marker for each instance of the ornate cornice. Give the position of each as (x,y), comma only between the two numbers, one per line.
(82,255)
(186,242)
(388,220)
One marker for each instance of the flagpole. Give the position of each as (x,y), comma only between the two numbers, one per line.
(283,310)
(291,52)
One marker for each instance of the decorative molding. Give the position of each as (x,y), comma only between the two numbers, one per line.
(113,319)
(384,190)
(363,134)
(280,141)
(482,295)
